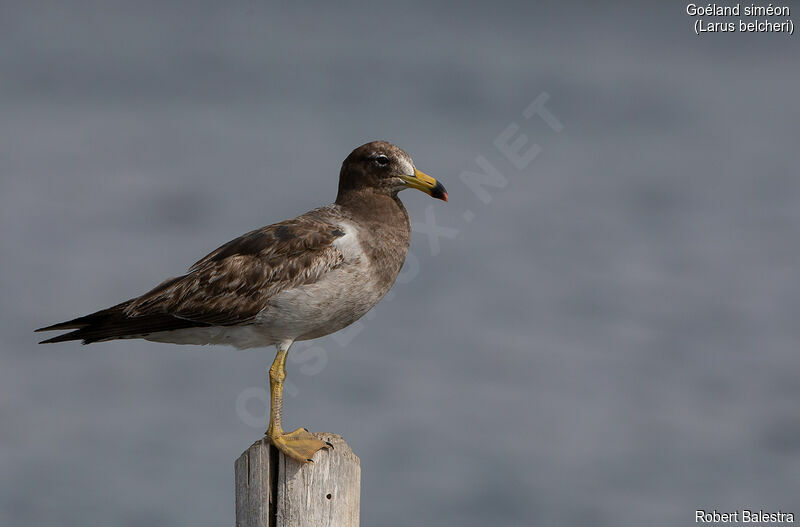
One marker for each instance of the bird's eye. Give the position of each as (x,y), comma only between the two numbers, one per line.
(382,160)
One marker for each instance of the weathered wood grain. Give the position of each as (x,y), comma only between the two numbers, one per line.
(274,491)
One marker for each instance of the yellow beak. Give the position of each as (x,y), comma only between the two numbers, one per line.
(425,183)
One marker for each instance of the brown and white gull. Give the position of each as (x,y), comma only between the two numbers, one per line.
(295,280)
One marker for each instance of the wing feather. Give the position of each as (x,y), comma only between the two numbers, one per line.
(229,286)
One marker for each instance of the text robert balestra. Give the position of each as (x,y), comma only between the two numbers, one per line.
(742,516)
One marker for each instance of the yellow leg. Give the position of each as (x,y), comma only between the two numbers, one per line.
(299,444)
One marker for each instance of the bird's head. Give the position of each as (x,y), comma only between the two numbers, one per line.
(383,168)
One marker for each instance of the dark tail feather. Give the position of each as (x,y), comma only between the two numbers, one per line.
(72,335)
(88,320)
(113,323)
(98,318)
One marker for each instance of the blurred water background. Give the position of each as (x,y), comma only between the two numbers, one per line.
(610,340)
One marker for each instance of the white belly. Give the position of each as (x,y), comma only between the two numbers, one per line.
(339,299)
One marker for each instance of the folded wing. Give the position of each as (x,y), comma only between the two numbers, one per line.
(230,286)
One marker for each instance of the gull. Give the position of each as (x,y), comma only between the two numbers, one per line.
(296,280)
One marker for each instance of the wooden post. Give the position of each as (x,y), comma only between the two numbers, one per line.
(273,491)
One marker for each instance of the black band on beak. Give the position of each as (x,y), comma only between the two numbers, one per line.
(439,192)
